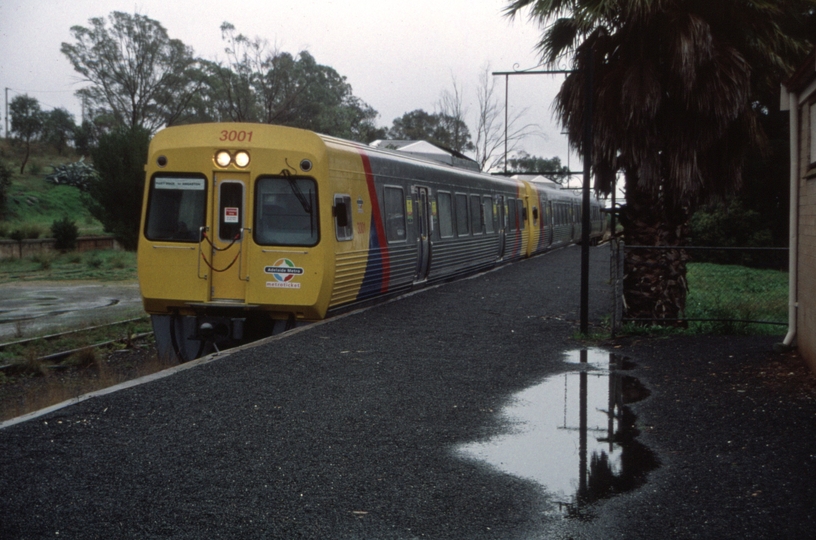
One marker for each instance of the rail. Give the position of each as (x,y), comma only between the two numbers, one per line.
(60,355)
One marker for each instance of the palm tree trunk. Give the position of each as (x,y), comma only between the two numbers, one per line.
(654,283)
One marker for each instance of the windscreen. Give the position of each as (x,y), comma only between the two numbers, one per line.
(286,212)
(176,208)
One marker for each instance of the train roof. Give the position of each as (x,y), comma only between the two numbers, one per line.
(428,150)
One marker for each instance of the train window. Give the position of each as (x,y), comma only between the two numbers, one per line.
(176,208)
(522,219)
(230,210)
(394,214)
(286,211)
(489,216)
(462,223)
(445,214)
(476,217)
(512,216)
(343,227)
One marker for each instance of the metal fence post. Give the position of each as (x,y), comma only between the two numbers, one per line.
(616,249)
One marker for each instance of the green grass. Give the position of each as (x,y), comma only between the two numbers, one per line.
(107,265)
(33,202)
(720,291)
(732,294)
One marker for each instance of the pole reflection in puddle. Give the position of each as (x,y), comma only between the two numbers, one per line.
(574,434)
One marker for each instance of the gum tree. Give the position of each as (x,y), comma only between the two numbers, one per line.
(58,128)
(26,123)
(438,128)
(258,83)
(137,74)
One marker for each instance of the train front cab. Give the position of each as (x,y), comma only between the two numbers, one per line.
(538,209)
(231,239)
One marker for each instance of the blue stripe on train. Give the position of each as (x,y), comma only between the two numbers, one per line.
(373,280)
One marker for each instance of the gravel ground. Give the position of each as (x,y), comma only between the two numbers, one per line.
(347,430)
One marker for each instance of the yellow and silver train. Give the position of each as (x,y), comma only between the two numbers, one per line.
(249,227)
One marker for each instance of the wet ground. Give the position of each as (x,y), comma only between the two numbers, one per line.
(574,433)
(467,411)
(37,307)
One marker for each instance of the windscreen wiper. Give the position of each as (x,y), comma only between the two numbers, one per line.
(304,202)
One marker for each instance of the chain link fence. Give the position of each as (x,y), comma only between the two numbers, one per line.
(730,290)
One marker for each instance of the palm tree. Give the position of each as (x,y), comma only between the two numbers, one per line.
(677,87)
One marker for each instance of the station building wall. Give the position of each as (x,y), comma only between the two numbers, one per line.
(798,96)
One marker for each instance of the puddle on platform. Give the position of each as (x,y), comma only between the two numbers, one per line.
(574,433)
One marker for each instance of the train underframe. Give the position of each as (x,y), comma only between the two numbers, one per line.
(187,337)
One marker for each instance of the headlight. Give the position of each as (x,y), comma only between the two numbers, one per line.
(241,159)
(222,158)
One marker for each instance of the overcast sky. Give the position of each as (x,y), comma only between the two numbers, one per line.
(397,55)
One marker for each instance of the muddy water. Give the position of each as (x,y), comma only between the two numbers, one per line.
(573,433)
(32,308)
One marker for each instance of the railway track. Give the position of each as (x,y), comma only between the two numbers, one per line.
(52,359)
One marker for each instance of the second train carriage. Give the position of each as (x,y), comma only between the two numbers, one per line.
(244,225)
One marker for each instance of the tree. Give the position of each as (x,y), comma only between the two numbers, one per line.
(731,224)
(257,83)
(137,74)
(5,184)
(26,122)
(550,168)
(437,128)
(115,196)
(491,135)
(58,128)
(324,102)
(85,137)
(675,88)
(452,119)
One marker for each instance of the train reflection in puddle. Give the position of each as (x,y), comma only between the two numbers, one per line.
(574,434)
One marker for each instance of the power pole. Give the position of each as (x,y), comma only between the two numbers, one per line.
(7,131)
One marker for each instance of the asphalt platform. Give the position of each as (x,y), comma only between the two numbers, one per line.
(348,430)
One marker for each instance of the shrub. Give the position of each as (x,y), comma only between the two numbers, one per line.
(118,261)
(84,358)
(94,260)
(26,232)
(65,233)
(43,259)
